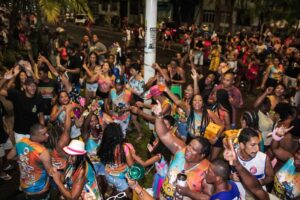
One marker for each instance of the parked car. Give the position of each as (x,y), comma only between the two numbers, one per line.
(81,19)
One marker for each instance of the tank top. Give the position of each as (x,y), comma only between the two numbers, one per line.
(90,189)
(287,181)
(196,129)
(119,169)
(195,175)
(232,194)
(91,146)
(276,73)
(34,178)
(256,166)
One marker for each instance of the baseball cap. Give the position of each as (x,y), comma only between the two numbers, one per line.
(119,81)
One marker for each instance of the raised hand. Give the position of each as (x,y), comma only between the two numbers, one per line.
(279,132)
(9,74)
(229,152)
(134,109)
(269,90)
(194,74)
(155,66)
(156,109)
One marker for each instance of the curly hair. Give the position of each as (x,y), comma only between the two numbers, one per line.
(111,148)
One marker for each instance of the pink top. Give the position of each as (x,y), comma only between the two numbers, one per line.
(105,84)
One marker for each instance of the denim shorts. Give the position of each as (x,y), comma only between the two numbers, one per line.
(99,169)
(119,183)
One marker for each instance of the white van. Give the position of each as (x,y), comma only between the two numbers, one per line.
(81,19)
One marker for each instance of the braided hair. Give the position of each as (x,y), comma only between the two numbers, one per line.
(191,117)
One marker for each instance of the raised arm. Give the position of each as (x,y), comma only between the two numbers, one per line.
(49,65)
(172,142)
(266,75)
(137,111)
(195,77)
(65,136)
(249,181)
(176,100)
(161,72)
(277,135)
(260,99)
(7,76)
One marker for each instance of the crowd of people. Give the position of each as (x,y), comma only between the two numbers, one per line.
(73,104)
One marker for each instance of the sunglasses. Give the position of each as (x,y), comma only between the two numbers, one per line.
(118,196)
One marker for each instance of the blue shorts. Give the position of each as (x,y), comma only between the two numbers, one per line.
(99,169)
(119,183)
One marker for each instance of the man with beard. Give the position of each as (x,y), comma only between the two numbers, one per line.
(256,162)
(28,106)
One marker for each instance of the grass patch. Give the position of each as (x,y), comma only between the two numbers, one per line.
(141,149)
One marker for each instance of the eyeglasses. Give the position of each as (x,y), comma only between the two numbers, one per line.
(118,196)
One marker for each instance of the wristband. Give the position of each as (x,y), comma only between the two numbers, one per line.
(276,137)
(133,186)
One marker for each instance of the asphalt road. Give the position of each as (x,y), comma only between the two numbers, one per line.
(109,35)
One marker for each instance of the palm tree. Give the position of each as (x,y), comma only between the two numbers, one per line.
(49,9)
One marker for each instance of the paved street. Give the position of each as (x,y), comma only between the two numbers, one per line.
(108,36)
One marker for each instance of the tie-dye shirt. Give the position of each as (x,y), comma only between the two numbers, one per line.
(287,181)
(195,175)
(120,101)
(34,178)
(90,189)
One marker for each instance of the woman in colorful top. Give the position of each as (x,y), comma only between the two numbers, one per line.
(198,114)
(214,58)
(287,179)
(115,154)
(274,74)
(223,110)
(91,68)
(185,102)
(105,82)
(189,159)
(136,85)
(276,95)
(58,113)
(80,179)
(92,133)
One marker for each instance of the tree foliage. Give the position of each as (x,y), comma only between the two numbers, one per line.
(51,9)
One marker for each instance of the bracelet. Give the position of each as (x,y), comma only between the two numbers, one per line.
(276,137)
